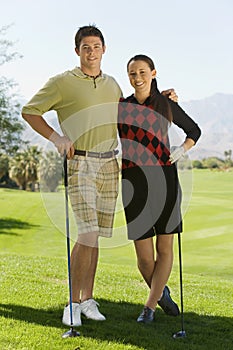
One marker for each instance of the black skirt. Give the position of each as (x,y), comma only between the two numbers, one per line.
(152,201)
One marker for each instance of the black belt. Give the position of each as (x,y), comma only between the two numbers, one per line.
(109,154)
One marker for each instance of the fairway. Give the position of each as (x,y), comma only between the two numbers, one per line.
(34,275)
(34,223)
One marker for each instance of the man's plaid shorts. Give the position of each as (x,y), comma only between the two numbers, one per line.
(93,190)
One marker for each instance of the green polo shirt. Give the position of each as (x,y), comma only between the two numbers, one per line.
(87,108)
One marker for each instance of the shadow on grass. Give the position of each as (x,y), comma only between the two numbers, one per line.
(212,332)
(9,224)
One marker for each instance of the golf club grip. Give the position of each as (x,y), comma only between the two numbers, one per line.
(65,171)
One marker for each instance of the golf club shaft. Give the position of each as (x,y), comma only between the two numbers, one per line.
(181,283)
(68,235)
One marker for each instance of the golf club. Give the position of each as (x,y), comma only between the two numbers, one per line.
(182,333)
(71,333)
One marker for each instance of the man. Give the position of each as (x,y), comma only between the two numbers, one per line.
(85,100)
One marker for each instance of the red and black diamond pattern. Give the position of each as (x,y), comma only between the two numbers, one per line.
(142,135)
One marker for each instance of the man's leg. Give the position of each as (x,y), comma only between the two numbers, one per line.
(84,258)
(87,291)
(79,268)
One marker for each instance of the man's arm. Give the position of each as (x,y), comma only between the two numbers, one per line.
(62,143)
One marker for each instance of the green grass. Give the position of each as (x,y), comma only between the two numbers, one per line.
(33,279)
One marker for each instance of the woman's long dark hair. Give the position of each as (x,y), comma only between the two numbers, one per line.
(159,102)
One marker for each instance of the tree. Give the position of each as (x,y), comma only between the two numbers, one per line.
(24,167)
(11,127)
(227,155)
(4,165)
(197,164)
(18,170)
(33,155)
(5,45)
(50,171)
(5,180)
(213,163)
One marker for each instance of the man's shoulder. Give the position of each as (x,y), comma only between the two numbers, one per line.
(111,80)
(62,75)
(65,75)
(108,76)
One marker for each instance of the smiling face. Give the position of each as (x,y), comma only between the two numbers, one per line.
(140,77)
(90,51)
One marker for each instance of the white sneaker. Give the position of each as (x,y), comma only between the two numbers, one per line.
(76,313)
(89,308)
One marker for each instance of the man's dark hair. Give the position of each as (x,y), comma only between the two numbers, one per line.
(85,31)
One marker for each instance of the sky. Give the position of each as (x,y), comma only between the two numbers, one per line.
(189,41)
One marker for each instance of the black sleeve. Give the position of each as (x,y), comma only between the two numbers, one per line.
(183,121)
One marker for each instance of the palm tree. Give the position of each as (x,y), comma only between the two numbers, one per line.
(50,171)
(227,155)
(228,160)
(24,167)
(18,170)
(33,155)
(4,165)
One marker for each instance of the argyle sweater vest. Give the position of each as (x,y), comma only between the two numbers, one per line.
(143,134)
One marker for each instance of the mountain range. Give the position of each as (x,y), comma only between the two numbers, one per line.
(213,114)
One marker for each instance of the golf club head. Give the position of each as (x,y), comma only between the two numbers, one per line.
(71,334)
(180,334)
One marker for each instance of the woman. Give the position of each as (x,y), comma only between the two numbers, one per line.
(150,186)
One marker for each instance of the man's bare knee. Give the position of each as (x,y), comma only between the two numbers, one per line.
(89,239)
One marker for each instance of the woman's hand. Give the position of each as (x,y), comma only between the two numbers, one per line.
(170,93)
(177,152)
